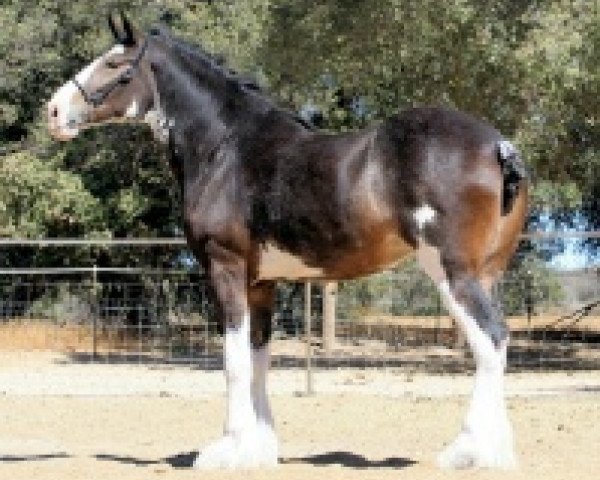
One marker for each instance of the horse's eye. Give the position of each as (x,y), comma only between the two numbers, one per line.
(112,65)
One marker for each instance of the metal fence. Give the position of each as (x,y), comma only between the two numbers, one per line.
(391,320)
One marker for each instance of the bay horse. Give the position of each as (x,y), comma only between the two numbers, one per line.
(268,198)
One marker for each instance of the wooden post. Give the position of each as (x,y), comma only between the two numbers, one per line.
(96,311)
(329,303)
(308,333)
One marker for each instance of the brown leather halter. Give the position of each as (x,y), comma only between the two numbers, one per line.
(98,97)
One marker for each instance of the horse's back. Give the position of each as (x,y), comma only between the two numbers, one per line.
(454,127)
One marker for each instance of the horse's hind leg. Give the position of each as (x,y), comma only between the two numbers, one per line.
(261,299)
(486,436)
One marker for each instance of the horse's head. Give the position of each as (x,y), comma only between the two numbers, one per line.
(117,86)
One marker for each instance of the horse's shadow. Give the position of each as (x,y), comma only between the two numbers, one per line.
(32,458)
(350,460)
(345,459)
(179,460)
(182,460)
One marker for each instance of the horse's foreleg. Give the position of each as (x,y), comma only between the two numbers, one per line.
(242,444)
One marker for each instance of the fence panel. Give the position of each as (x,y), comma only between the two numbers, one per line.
(394,319)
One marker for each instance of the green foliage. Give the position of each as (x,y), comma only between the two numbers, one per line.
(405,290)
(550,195)
(530,284)
(39,200)
(63,305)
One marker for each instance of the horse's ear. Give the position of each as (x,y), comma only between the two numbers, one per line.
(129,37)
(113,28)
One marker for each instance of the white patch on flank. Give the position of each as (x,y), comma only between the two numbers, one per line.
(133,109)
(486,437)
(242,445)
(424,214)
(275,263)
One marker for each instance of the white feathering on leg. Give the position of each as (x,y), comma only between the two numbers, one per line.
(261,359)
(249,440)
(486,438)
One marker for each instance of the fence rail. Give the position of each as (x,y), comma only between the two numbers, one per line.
(110,242)
(161,241)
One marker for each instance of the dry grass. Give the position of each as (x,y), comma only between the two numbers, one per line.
(42,335)
(589,323)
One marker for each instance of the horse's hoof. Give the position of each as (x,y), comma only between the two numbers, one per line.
(465,452)
(256,450)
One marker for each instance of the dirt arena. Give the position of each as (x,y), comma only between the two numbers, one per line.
(64,420)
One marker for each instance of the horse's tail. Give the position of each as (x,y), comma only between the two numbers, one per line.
(514,173)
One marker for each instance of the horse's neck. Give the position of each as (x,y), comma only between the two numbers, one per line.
(203,132)
(183,109)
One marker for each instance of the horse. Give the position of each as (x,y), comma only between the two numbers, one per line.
(266,197)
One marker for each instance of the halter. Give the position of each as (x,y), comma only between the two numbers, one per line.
(98,97)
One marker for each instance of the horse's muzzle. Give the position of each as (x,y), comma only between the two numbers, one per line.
(56,126)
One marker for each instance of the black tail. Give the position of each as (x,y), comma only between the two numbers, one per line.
(514,172)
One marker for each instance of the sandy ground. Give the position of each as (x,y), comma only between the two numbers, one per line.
(61,420)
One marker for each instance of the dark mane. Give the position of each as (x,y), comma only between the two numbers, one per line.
(198,62)
(194,55)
